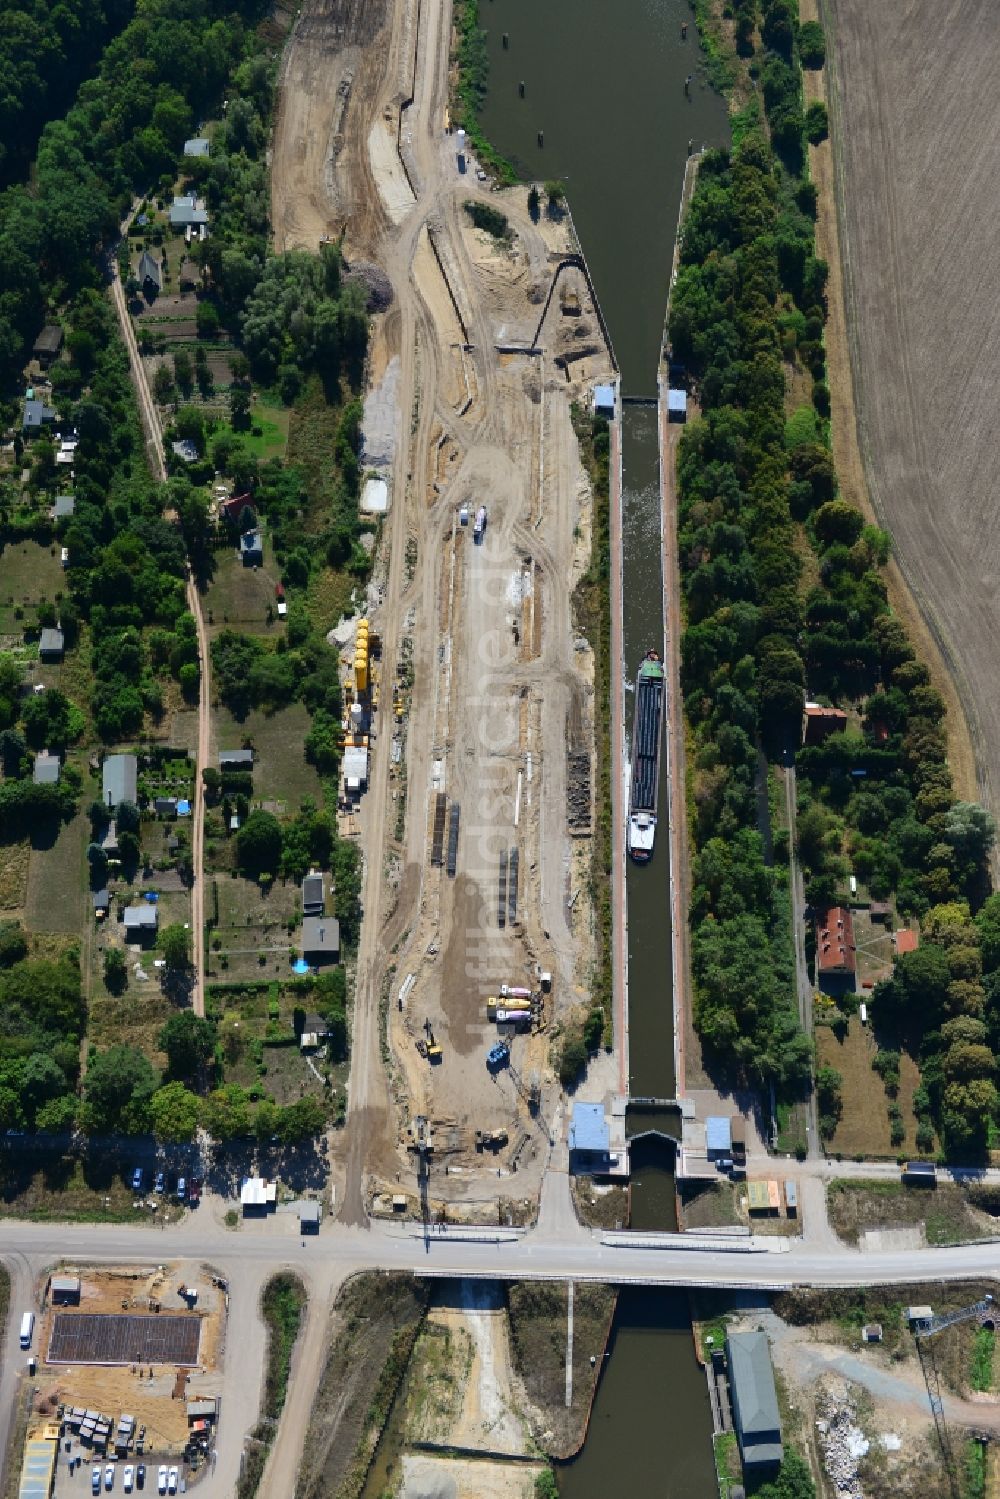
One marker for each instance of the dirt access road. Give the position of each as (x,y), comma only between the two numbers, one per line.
(499,687)
(917,150)
(154,448)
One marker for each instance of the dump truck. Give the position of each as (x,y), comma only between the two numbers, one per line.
(514,991)
(480,525)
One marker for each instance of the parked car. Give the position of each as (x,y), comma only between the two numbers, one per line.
(140,1476)
(137,1179)
(161,1480)
(181,1188)
(160,1183)
(127,1478)
(95,1479)
(109,1477)
(194,1189)
(172,1481)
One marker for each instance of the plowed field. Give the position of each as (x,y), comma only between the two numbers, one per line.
(917,135)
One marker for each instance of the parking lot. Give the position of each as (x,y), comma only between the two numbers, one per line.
(78,1483)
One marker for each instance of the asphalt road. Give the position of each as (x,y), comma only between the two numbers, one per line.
(558,1248)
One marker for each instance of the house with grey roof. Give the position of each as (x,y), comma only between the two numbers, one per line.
(51,644)
(64,506)
(101,900)
(140,921)
(241,759)
(755,1404)
(165,806)
(149,274)
(48,343)
(46,772)
(36,414)
(187,211)
(313,900)
(320,940)
(119,779)
(198,146)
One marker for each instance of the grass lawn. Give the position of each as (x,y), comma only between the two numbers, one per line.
(30,573)
(863,1129)
(273,437)
(280,772)
(57,879)
(944,1210)
(251,925)
(708,1204)
(241,596)
(727,1461)
(14,859)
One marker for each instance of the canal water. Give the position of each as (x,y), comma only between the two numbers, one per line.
(606,84)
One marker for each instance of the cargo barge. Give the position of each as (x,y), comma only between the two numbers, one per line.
(646,738)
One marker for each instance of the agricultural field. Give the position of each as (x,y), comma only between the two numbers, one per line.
(921,261)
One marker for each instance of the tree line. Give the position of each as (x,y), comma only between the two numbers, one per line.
(758,493)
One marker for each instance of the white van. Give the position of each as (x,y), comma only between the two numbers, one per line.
(27,1328)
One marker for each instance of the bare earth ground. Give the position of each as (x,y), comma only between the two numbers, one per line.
(917,151)
(499,686)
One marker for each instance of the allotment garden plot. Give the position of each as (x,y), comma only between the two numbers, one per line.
(84,1338)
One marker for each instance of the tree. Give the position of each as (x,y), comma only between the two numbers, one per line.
(13,944)
(42,1080)
(225,1113)
(207,319)
(817,125)
(175,945)
(117,1089)
(239,408)
(258,844)
(174,1112)
(829,1100)
(300,1121)
(534,203)
(189,1042)
(970,830)
(793,1480)
(115,971)
(545,1485)
(555,193)
(812,44)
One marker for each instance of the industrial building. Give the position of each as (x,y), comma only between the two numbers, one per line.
(755,1403)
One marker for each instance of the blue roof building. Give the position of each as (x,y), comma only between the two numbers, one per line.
(589,1138)
(718,1135)
(604,401)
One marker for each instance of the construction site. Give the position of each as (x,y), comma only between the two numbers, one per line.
(124,1367)
(470,729)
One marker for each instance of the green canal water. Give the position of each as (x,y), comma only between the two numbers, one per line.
(605,84)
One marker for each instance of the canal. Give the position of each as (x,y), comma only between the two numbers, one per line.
(607,85)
